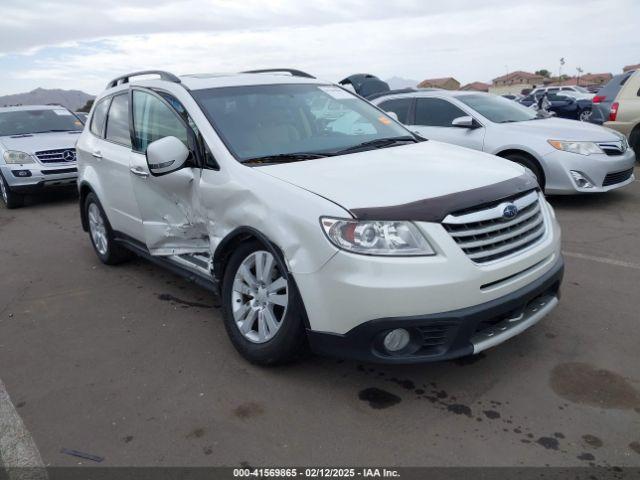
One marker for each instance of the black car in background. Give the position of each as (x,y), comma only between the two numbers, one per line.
(563,104)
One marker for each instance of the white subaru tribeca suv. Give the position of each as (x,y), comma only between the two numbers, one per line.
(359,240)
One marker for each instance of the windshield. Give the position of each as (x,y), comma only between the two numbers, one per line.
(266,120)
(498,109)
(581,89)
(20,122)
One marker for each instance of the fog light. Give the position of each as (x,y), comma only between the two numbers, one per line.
(396,340)
(21,173)
(581,180)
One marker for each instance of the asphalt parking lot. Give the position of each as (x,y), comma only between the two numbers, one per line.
(132,363)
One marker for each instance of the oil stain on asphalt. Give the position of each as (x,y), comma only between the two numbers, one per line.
(587,385)
(592,441)
(623,394)
(167,297)
(248,410)
(378,398)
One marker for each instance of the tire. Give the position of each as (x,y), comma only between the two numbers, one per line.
(249,308)
(585,115)
(10,199)
(531,164)
(107,249)
(634,141)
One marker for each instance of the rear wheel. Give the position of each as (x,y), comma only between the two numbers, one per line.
(263,311)
(10,199)
(531,164)
(585,115)
(102,238)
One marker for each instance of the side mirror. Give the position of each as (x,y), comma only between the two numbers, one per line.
(393,115)
(464,122)
(166,155)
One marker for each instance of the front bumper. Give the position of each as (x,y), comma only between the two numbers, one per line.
(452,334)
(595,168)
(35,178)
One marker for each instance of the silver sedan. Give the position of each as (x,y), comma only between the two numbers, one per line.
(567,156)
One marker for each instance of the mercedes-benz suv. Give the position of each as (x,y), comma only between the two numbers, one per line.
(37,150)
(355,237)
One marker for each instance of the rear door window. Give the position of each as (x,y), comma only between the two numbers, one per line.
(118,121)
(613,86)
(399,106)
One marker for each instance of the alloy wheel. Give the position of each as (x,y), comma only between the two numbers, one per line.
(259,297)
(98,229)
(585,115)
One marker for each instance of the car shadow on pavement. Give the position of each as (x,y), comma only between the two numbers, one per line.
(593,200)
(54,197)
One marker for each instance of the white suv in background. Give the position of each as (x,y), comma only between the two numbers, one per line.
(37,150)
(376,245)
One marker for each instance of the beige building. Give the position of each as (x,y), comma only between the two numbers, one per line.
(476,87)
(515,82)
(448,83)
(628,68)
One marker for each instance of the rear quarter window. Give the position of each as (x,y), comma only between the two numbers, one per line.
(99,116)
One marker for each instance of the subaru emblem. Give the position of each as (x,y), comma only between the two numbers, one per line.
(509,211)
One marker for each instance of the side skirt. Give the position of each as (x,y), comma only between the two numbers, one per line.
(193,267)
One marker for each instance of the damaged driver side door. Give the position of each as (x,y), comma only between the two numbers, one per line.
(167,202)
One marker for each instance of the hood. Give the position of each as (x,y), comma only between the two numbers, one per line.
(562,129)
(406,175)
(37,142)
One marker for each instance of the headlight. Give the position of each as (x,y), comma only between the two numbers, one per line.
(376,237)
(13,156)
(581,148)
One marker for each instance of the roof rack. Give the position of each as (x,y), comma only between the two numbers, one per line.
(292,71)
(170,77)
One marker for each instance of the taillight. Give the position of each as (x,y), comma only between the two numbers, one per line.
(598,99)
(613,112)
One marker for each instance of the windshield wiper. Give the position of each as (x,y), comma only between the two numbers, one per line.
(377,143)
(285,157)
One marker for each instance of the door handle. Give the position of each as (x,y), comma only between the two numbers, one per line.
(138,172)
(97,154)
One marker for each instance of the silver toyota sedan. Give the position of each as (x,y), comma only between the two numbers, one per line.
(566,156)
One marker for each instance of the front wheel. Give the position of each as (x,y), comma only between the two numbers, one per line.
(10,199)
(263,311)
(531,164)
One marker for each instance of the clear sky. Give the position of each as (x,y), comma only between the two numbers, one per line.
(81,44)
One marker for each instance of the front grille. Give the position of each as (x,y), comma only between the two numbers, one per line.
(612,148)
(63,155)
(486,235)
(617,177)
(59,171)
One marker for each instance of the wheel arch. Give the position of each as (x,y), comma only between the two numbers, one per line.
(519,151)
(85,189)
(238,236)
(241,235)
